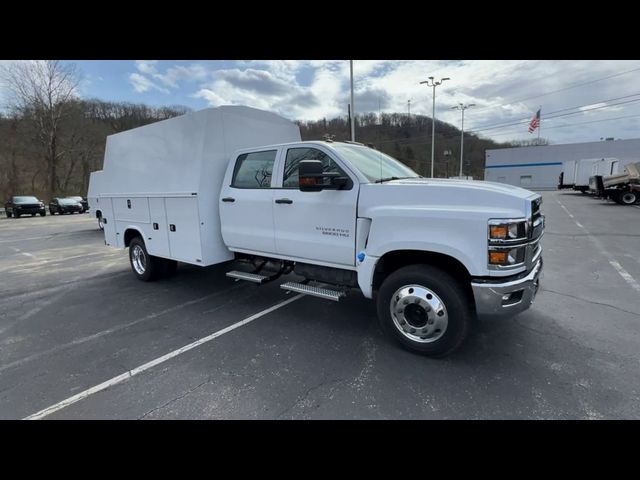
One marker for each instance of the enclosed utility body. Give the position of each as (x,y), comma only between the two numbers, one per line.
(163,180)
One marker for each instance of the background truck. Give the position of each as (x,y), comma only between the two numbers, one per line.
(622,188)
(237,185)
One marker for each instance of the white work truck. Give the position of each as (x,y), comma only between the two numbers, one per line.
(238,184)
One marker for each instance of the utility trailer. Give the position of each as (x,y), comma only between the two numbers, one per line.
(583,173)
(568,175)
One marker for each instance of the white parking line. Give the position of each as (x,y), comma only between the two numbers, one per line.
(131,373)
(626,276)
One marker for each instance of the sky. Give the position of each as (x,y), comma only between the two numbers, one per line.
(583,92)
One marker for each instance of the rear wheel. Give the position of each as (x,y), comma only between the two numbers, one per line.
(16,214)
(146,267)
(628,198)
(424,309)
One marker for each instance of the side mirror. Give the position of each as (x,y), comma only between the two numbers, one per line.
(310,175)
(311,178)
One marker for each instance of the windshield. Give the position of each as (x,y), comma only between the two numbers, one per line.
(373,164)
(76,198)
(25,200)
(67,201)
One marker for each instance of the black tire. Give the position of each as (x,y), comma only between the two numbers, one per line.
(43,214)
(457,308)
(628,197)
(8,214)
(149,268)
(16,215)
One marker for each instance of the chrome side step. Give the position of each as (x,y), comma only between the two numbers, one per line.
(249,277)
(327,293)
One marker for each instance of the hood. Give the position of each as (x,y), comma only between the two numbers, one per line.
(496,200)
(466,185)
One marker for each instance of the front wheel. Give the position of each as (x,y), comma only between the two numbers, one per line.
(146,267)
(100,223)
(425,309)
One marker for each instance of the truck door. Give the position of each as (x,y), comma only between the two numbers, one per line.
(246,203)
(318,226)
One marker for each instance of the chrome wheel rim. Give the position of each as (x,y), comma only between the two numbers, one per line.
(628,198)
(419,314)
(138,260)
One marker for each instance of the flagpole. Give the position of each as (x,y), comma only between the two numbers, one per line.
(539,124)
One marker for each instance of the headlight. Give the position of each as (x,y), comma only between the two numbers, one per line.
(507,230)
(506,257)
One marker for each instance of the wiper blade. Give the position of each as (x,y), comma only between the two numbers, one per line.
(386,179)
(394,178)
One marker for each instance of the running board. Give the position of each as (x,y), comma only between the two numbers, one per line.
(327,293)
(249,277)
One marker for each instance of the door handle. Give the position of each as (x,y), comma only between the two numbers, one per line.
(228,199)
(284,200)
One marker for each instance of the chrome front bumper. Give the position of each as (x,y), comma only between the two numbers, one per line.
(507,298)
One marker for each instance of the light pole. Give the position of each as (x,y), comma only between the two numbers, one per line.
(462,107)
(433,84)
(353,110)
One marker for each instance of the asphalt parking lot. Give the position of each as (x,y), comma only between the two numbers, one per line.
(73,318)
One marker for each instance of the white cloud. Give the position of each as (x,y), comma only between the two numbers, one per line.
(142,84)
(503,91)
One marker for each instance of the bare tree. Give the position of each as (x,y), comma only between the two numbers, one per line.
(41,90)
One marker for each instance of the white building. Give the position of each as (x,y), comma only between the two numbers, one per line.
(538,168)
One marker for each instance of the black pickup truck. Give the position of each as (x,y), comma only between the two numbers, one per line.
(24,205)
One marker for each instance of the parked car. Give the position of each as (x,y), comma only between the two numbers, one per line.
(65,205)
(82,201)
(24,205)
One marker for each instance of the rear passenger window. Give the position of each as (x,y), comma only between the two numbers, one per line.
(253,170)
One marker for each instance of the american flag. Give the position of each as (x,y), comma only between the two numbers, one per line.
(535,122)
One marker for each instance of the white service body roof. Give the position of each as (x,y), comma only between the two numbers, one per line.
(189,153)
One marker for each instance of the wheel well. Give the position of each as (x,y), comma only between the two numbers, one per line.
(98,213)
(392,261)
(129,235)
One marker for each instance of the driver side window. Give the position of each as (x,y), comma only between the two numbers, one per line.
(296,155)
